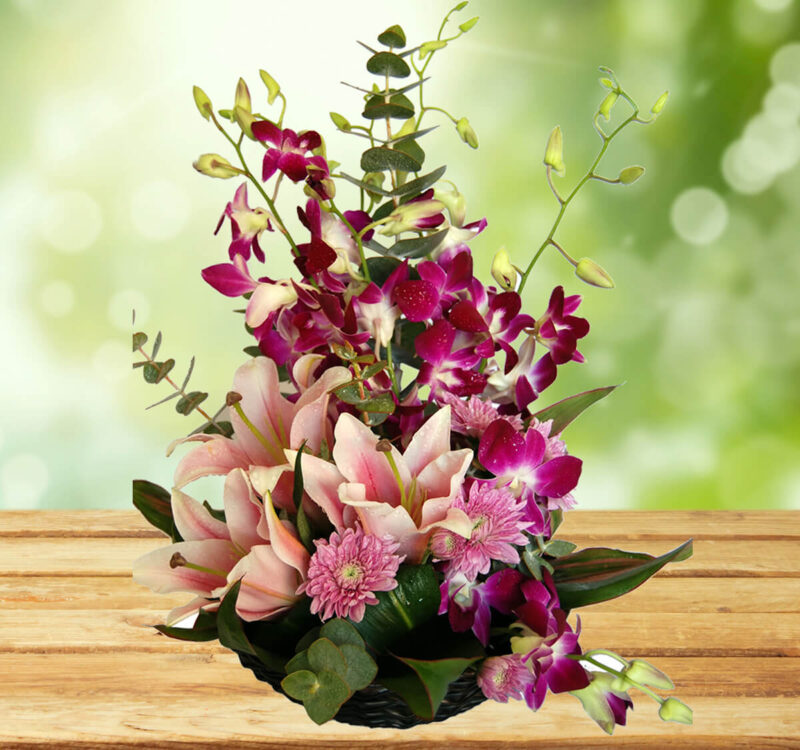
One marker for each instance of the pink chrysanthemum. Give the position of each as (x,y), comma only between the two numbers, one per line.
(346,570)
(473,416)
(504,677)
(497,518)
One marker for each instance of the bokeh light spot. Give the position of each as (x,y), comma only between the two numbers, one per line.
(57,298)
(773,6)
(699,215)
(159,210)
(111,361)
(785,64)
(23,480)
(71,221)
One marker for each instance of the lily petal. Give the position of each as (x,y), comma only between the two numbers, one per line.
(243,511)
(193,520)
(153,569)
(287,547)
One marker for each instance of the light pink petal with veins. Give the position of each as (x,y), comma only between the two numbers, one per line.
(430,441)
(444,476)
(181,613)
(243,511)
(193,520)
(286,546)
(217,455)
(321,480)
(311,422)
(268,584)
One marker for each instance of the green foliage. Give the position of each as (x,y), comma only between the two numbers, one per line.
(567,410)
(380,159)
(388,64)
(139,340)
(598,574)
(231,631)
(155,372)
(154,503)
(203,629)
(188,403)
(394,36)
(417,247)
(398,106)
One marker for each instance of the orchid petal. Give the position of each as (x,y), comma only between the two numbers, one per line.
(558,476)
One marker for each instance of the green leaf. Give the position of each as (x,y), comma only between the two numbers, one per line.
(349,393)
(565,411)
(598,573)
(368,186)
(297,662)
(399,107)
(373,370)
(301,684)
(381,268)
(388,64)
(559,547)
(533,562)
(417,247)
(253,351)
(273,88)
(381,159)
(299,487)
(403,350)
(139,340)
(154,503)
(324,654)
(415,136)
(156,346)
(213,512)
(341,632)
(361,667)
(420,184)
(414,601)
(220,427)
(322,694)
(155,372)
(394,36)
(190,402)
(411,148)
(231,630)
(383,403)
(309,638)
(424,685)
(208,633)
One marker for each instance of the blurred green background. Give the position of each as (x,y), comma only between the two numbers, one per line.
(100,211)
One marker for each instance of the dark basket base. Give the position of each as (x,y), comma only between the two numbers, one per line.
(376,706)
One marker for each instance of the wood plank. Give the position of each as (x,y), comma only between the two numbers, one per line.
(703,524)
(178,700)
(113,557)
(628,633)
(660,594)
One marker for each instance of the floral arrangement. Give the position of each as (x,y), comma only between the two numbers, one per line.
(386,552)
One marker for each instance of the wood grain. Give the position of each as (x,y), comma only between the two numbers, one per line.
(82,669)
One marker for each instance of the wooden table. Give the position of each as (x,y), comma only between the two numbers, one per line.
(81,669)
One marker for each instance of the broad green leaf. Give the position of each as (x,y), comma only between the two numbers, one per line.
(203,629)
(350,393)
(341,632)
(326,702)
(559,547)
(325,654)
(383,403)
(368,186)
(301,684)
(420,184)
(190,402)
(412,149)
(414,601)
(218,514)
(381,159)
(417,247)
(373,369)
(154,503)
(394,36)
(565,411)
(231,630)
(598,573)
(381,268)
(155,372)
(298,661)
(388,64)
(399,107)
(139,340)
(361,667)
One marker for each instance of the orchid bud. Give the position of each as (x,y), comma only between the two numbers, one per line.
(674,710)
(660,102)
(242,98)
(646,674)
(273,89)
(468,135)
(214,165)
(413,215)
(554,152)
(608,103)
(608,83)
(503,272)
(629,175)
(244,119)
(341,122)
(455,203)
(374,179)
(203,102)
(593,273)
(426,48)
(467,25)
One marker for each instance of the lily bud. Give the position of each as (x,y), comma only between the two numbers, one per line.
(673,710)
(455,203)
(554,152)
(608,103)
(468,135)
(503,272)
(593,273)
(660,102)
(242,98)
(413,215)
(214,165)
(646,674)
(203,102)
(629,175)
(273,88)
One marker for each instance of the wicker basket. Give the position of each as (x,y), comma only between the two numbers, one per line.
(376,706)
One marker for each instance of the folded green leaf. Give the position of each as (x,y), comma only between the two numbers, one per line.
(153,502)
(598,573)
(190,402)
(229,625)
(203,629)
(565,411)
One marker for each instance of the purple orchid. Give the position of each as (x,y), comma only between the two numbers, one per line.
(288,152)
(603,701)
(559,330)
(246,226)
(449,361)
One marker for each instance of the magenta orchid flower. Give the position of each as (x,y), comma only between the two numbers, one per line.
(559,330)
(404,496)
(246,226)
(288,153)
(520,461)
(376,308)
(449,361)
(603,701)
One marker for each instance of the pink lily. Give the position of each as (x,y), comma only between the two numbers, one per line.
(406,496)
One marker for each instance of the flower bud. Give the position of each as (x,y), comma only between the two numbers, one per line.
(467,25)
(646,674)
(214,165)
(629,175)
(608,103)
(593,273)
(608,83)
(554,152)
(374,179)
(426,48)
(455,203)
(660,102)
(242,98)
(673,710)
(244,119)
(468,135)
(273,89)
(412,215)
(341,122)
(503,272)
(203,102)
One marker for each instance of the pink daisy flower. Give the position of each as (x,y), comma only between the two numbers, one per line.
(504,677)
(498,519)
(347,569)
(473,416)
